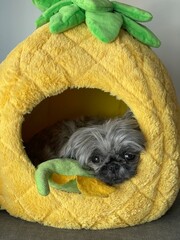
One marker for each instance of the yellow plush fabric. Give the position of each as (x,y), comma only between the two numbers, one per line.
(45,65)
(87,186)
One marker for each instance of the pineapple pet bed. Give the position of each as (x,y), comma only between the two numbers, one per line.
(56,76)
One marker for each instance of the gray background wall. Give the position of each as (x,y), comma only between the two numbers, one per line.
(17,22)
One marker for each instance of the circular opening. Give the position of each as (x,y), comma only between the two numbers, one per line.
(110,149)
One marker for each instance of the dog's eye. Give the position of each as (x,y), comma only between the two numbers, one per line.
(95,159)
(129,156)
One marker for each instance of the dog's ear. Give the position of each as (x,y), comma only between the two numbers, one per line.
(76,143)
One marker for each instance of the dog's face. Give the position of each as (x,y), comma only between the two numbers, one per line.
(111,150)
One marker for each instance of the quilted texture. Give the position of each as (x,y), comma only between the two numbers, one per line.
(45,65)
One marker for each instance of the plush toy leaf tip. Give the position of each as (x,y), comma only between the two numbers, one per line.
(67,175)
(104,18)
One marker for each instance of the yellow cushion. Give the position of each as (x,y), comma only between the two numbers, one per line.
(45,65)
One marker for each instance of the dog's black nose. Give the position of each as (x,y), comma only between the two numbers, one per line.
(113,167)
(112,159)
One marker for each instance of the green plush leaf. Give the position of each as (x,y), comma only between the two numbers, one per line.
(68,17)
(44,4)
(67,167)
(134,13)
(94,5)
(142,33)
(105,26)
(45,17)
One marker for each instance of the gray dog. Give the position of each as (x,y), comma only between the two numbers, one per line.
(109,148)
